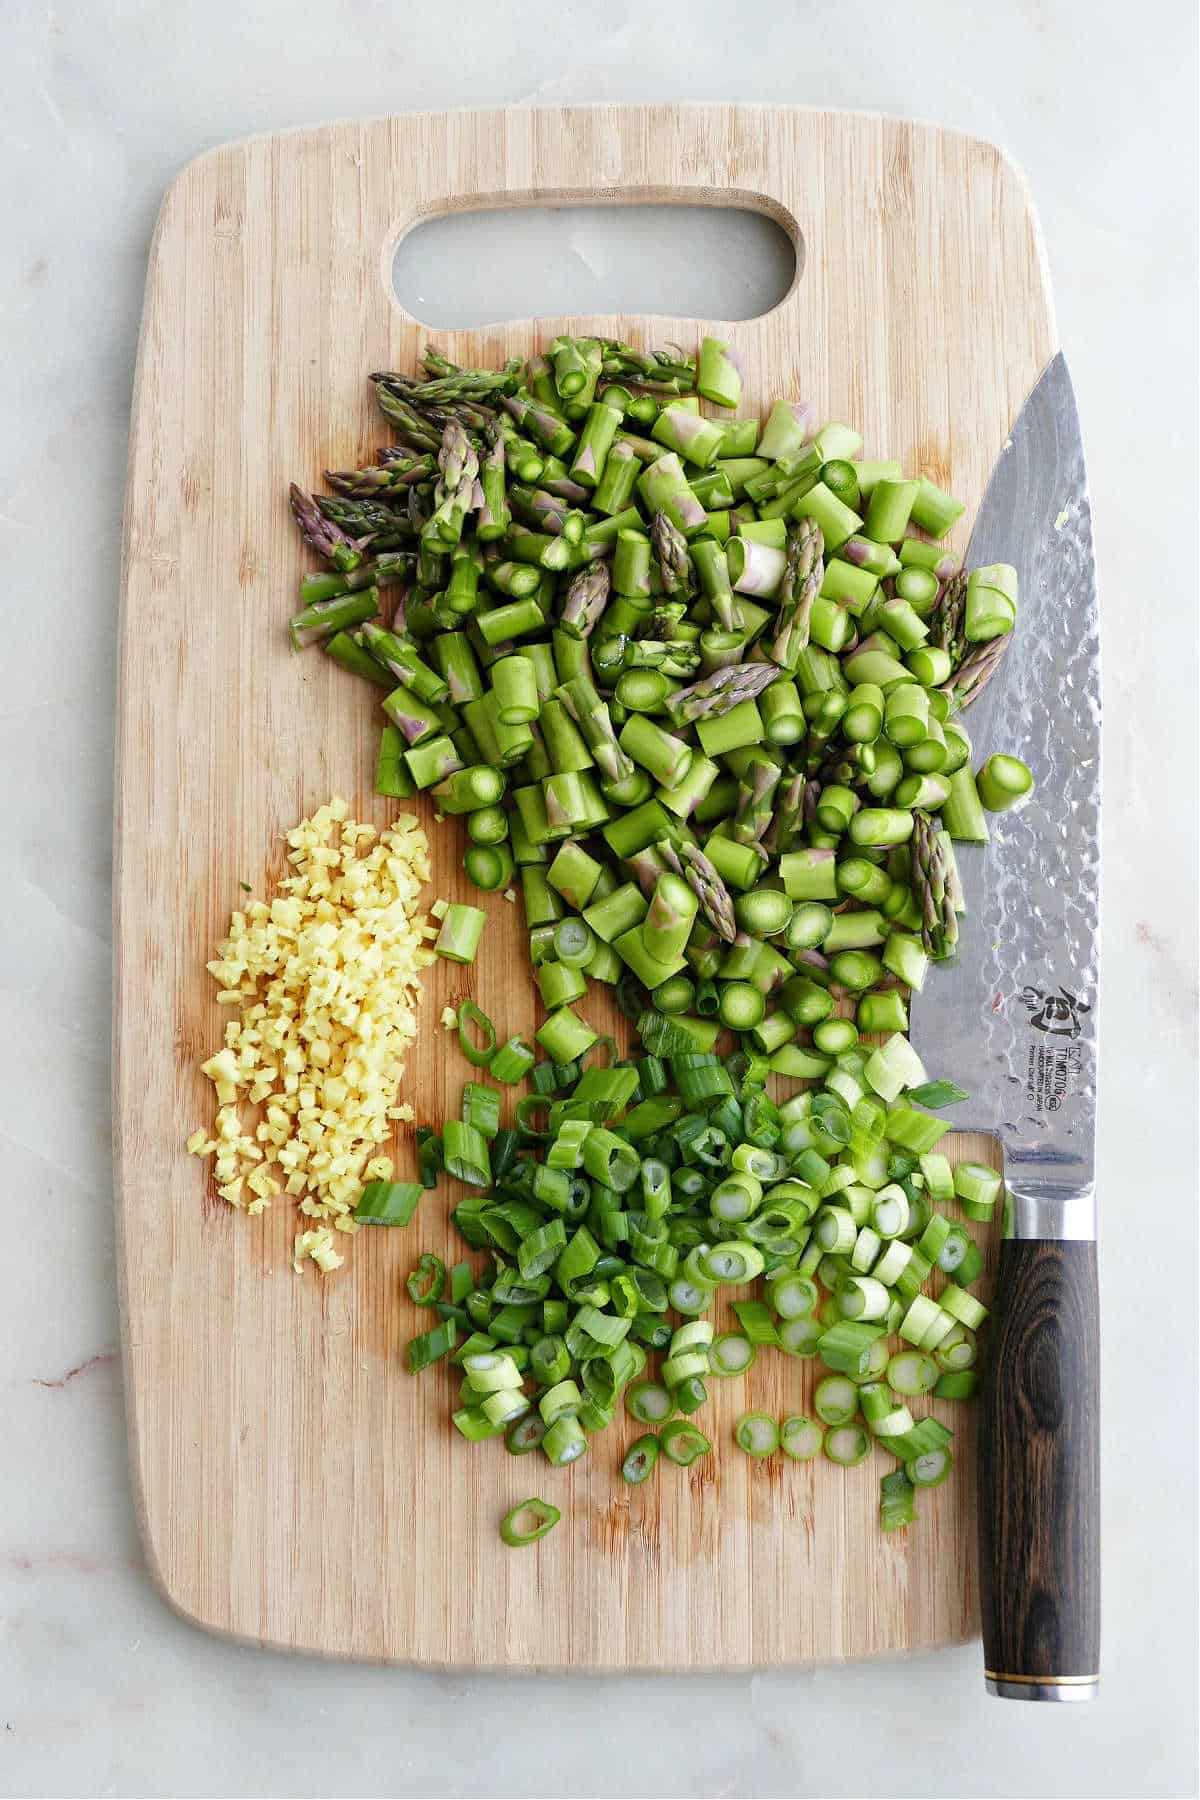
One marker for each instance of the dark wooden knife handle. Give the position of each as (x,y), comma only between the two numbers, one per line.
(1039,1475)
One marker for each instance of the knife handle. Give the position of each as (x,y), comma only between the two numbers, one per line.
(1039,1475)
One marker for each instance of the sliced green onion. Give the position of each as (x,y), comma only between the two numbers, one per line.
(910,1372)
(649,1402)
(897,1501)
(462,928)
(757,1433)
(639,1460)
(846,1445)
(429,1346)
(835,1400)
(511,1062)
(800,1337)
(528,1522)
(427,1280)
(931,1468)
(389,1202)
(481,1108)
(471,1018)
(731,1353)
(682,1443)
(800,1438)
(524,1434)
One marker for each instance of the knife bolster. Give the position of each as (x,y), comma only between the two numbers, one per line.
(1038,1210)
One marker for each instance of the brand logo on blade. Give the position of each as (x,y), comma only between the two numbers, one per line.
(1056,1014)
(1053,1071)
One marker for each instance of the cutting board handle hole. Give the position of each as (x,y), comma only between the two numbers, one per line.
(489,264)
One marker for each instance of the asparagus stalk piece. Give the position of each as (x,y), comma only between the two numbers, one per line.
(931,888)
(324,535)
(370,520)
(594,720)
(948,618)
(802,578)
(455,490)
(974,672)
(715,900)
(756,790)
(586,599)
(674,563)
(413,428)
(459,384)
(718,693)
(493,516)
(364,484)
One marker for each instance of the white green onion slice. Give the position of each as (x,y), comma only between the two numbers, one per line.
(931,1468)
(800,1437)
(835,1400)
(910,1373)
(731,1353)
(846,1445)
(757,1433)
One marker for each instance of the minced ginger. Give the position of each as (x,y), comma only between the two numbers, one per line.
(327,983)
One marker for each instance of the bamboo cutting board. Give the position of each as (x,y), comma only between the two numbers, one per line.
(296,1487)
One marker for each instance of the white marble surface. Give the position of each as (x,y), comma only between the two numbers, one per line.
(102,1691)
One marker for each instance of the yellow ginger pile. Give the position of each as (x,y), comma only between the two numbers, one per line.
(327,982)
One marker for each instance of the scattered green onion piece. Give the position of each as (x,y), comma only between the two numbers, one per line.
(462,928)
(846,1445)
(731,1353)
(429,1346)
(930,1468)
(757,1433)
(639,1460)
(470,1017)
(427,1280)
(528,1522)
(524,1434)
(681,1443)
(389,1202)
(897,1501)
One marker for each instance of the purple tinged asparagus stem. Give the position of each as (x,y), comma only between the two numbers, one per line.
(492,510)
(563,488)
(647,865)
(975,671)
(545,427)
(802,578)
(413,428)
(448,388)
(931,888)
(948,618)
(756,790)
(372,519)
(714,897)
(674,563)
(787,826)
(455,489)
(592,716)
(718,693)
(365,484)
(586,599)
(392,566)
(323,534)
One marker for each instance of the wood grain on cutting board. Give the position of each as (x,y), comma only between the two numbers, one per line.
(295,1486)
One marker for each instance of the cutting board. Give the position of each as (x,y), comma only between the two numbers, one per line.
(296,1487)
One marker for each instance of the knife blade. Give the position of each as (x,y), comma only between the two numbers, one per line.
(1013,1020)
(1014,1016)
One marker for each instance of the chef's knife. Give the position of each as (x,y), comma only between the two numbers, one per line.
(1013,1019)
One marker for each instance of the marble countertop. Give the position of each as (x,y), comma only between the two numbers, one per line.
(102,1689)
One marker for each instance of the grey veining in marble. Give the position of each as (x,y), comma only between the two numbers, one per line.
(102,1690)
